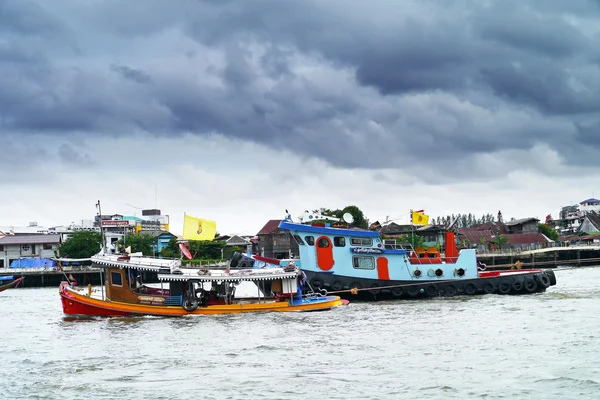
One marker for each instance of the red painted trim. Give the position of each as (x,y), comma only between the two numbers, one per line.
(74,307)
(324,254)
(383,272)
(267,260)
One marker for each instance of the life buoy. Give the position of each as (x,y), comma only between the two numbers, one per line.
(337,285)
(190,303)
(470,289)
(504,287)
(543,280)
(417,273)
(530,285)
(397,291)
(431,290)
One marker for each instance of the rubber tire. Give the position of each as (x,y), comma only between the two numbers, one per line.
(488,287)
(190,303)
(504,287)
(450,290)
(337,286)
(517,286)
(413,291)
(398,291)
(530,285)
(543,280)
(316,283)
(470,289)
(235,259)
(432,291)
(375,289)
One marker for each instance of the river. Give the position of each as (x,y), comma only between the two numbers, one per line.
(541,346)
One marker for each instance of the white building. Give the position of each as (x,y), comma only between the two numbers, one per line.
(590,205)
(15,247)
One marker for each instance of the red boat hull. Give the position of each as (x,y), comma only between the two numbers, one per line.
(72,307)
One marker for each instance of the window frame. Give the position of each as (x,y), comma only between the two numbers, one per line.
(365,242)
(112,282)
(299,240)
(311,241)
(337,241)
(355,260)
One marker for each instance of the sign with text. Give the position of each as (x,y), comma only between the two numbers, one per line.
(366,250)
(117,224)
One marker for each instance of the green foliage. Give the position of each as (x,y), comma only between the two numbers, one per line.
(205,249)
(414,240)
(549,231)
(82,244)
(359,218)
(144,243)
(171,250)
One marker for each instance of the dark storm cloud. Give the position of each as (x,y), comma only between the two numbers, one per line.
(359,85)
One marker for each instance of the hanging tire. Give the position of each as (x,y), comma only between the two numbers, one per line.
(543,280)
(530,285)
(450,290)
(337,285)
(431,291)
(190,303)
(488,287)
(552,277)
(504,287)
(316,283)
(517,286)
(398,291)
(413,291)
(470,289)
(374,289)
(235,259)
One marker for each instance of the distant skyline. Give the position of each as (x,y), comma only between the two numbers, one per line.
(237,111)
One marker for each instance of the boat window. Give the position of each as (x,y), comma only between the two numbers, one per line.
(363,262)
(299,240)
(310,240)
(339,241)
(361,241)
(116,279)
(323,243)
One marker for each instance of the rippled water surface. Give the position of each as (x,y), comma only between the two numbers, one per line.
(543,346)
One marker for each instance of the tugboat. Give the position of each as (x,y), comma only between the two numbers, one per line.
(355,264)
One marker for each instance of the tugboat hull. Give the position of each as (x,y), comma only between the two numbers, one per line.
(505,282)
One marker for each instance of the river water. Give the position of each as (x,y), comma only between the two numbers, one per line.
(542,346)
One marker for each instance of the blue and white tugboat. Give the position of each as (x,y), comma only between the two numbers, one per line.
(357,265)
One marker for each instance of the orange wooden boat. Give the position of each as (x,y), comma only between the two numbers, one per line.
(187,292)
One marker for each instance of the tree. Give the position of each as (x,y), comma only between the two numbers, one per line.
(206,249)
(359,218)
(144,243)
(548,231)
(171,250)
(82,244)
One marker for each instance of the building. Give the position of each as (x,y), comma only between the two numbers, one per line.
(276,243)
(590,224)
(523,225)
(590,206)
(15,247)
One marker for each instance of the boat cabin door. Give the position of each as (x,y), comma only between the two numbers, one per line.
(324,253)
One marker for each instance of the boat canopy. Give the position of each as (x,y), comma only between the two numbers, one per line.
(133,262)
(228,278)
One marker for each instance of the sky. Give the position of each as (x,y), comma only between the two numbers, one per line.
(238,110)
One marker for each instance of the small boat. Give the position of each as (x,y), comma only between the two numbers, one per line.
(7,282)
(356,264)
(187,291)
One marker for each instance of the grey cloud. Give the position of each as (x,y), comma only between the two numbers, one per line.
(356,85)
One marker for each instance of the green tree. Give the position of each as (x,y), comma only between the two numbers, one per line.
(144,243)
(549,231)
(82,244)
(171,250)
(206,249)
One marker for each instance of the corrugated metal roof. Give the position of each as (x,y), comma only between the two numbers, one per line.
(29,239)
(269,227)
(520,221)
(591,200)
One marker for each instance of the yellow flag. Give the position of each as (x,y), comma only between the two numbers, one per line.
(420,218)
(198,228)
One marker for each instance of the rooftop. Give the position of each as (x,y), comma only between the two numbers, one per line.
(29,239)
